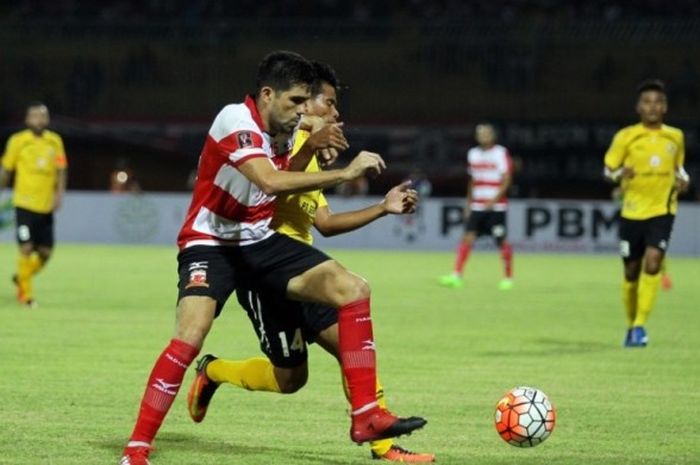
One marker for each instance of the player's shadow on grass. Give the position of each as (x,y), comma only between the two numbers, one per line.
(553,347)
(192,443)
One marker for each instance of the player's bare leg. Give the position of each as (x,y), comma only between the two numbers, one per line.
(384,449)
(331,284)
(195,315)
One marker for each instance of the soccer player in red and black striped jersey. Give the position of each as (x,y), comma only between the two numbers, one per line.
(490,171)
(227,237)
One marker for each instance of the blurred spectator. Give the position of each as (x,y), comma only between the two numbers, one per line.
(140,67)
(603,73)
(420,183)
(84,85)
(684,87)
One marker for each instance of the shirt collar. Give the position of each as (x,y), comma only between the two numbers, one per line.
(250,103)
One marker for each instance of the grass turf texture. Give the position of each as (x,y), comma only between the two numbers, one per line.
(73,371)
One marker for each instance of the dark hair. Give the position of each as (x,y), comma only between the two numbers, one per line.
(281,70)
(651,84)
(324,73)
(35,103)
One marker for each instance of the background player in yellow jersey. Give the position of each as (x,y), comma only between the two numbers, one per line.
(647,159)
(38,160)
(284,327)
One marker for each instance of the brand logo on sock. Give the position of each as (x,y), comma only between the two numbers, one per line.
(198,275)
(176,361)
(362,319)
(167,388)
(368,345)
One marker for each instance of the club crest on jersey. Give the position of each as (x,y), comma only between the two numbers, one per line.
(198,275)
(245,139)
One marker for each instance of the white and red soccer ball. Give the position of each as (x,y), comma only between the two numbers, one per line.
(524,417)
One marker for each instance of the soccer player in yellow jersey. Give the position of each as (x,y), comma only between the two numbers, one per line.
(38,160)
(647,159)
(284,327)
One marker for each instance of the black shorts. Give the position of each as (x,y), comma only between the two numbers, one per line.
(487,223)
(206,271)
(35,228)
(271,263)
(215,271)
(284,327)
(637,235)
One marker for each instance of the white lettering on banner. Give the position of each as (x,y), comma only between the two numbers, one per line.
(533,225)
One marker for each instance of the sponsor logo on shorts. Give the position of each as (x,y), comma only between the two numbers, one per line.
(198,275)
(663,244)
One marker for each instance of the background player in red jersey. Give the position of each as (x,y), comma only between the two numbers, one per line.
(490,171)
(227,235)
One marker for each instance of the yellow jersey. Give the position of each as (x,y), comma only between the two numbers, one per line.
(295,213)
(35,161)
(655,155)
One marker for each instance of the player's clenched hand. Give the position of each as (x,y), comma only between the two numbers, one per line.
(329,136)
(401,199)
(327,157)
(311,123)
(365,163)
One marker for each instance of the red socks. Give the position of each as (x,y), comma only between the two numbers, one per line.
(507,256)
(462,256)
(163,385)
(358,355)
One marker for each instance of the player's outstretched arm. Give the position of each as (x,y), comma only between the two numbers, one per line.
(399,200)
(271,181)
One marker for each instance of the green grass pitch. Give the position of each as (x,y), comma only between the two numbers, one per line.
(72,371)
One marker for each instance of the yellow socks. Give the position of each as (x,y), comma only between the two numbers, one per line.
(25,270)
(646,297)
(629,298)
(254,374)
(27,266)
(35,263)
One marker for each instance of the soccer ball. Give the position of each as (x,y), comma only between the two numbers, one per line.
(524,417)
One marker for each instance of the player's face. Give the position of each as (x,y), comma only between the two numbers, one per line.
(286,108)
(485,135)
(37,118)
(324,104)
(652,107)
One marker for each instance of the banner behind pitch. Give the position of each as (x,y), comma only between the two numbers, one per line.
(533,225)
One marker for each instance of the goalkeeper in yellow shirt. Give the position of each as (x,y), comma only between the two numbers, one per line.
(285,327)
(647,159)
(38,160)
